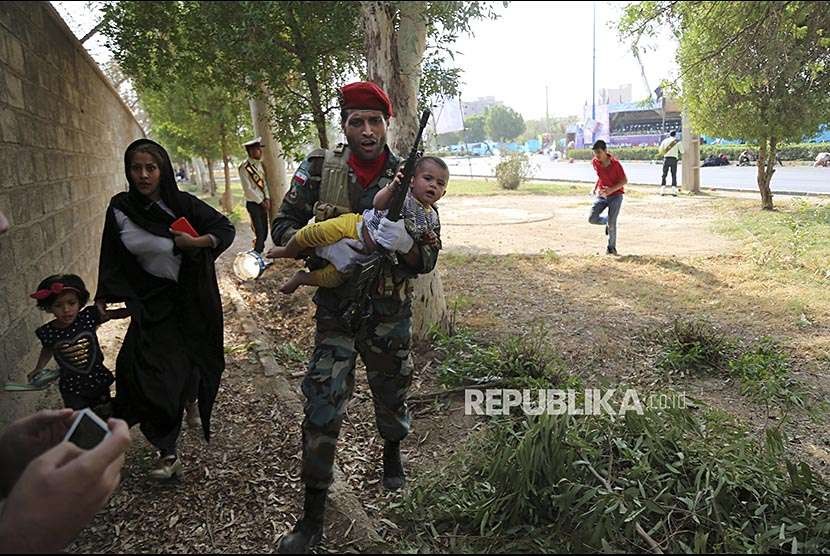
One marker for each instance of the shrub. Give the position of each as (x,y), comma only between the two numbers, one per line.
(519,361)
(800,151)
(692,347)
(513,170)
(687,481)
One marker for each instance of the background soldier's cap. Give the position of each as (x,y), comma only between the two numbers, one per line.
(256,142)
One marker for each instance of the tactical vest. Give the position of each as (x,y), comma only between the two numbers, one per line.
(335,190)
(336,199)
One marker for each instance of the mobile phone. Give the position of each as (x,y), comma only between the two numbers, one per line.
(88,430)
(183,225)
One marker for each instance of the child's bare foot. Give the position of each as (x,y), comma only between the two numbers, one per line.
(294,282)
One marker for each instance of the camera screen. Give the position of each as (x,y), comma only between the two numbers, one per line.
(87,434)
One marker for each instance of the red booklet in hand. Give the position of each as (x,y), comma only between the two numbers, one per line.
(182,225)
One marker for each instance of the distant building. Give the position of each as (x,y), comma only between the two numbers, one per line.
(478,106)
(625,124)
(615,96)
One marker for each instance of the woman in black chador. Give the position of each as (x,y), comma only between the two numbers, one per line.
(173,350)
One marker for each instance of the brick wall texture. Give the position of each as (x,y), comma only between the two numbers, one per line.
(63,131)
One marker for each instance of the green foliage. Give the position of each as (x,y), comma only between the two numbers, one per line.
(475,132)
(290,352)
(196,120)
(502,123)
(513,169)
(693,481)
(765,374)
(753,70)
(692,347)
(292,54)
(556,126)
(525,361)
(796,151)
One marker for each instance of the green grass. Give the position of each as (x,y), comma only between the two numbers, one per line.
(792,242)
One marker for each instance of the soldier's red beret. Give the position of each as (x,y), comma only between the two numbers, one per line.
(365,95)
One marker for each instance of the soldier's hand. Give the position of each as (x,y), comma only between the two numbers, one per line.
(342,254)
(396,183)
(429,238)
(393,236)
(266,204)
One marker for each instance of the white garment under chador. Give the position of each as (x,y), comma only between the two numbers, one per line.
(154,253)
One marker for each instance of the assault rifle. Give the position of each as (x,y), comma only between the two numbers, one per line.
(366,275)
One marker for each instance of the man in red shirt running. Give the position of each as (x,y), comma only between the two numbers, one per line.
(609,193)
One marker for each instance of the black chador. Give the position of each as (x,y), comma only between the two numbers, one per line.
(174,346)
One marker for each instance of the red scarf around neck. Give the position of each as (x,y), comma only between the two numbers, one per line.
(367,171)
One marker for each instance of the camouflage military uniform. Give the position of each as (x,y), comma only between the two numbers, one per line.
(383,342)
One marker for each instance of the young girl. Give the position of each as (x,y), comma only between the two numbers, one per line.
(71,340)
(421,218)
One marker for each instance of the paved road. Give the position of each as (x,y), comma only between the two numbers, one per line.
(790,179)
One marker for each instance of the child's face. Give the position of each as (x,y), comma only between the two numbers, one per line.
(430,183)
(66,307)
(146,175)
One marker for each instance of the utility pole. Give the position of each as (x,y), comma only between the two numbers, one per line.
(547,113)
(594,79)
(690,169)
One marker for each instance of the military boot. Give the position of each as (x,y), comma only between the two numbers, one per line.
(308,532)
(393,475)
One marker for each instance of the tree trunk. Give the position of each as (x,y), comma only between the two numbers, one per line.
(227,201)
(272,155)
(211,177)
(766,167)
(394,63)
(393,59)
(197,175)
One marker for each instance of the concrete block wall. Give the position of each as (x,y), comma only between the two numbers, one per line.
(63,131)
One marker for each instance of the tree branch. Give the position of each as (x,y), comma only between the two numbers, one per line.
(92,32)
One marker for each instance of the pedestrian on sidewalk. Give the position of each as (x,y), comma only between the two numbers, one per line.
(671,148)
(255,186)
(608,193)
(327,184)
(173,352)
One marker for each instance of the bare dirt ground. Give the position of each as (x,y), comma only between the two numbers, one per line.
(529,224)
(241,492)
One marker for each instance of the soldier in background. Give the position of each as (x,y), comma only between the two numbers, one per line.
(329,183)
(257,199)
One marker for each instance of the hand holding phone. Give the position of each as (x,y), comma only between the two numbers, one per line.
(183,225)
(88,430)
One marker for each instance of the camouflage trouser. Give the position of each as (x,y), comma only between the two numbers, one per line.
(329,383)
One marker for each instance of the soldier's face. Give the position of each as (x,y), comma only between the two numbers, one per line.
(255,152)
(365,132)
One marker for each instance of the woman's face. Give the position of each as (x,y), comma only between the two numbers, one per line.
(145,173)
